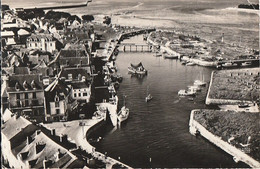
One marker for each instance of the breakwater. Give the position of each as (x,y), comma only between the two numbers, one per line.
(238,155)
(61,6)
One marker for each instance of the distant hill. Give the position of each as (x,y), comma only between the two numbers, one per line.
(249,6)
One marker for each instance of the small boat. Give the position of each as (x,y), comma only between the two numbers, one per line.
(137,69)
(123,113)
(246,64)
(190,64)
(148,97)
(243,105)
(195,88)
(190,98)
(187,93)
(200,82)
(168,56)
(157,54)
(229,64)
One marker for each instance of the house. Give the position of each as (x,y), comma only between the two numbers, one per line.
(80,81)
(45,42)
(26,95)
(23,35)
(59,102)
(73,58)
(8,37)
(25,145)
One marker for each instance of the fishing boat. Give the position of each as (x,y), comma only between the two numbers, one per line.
(200,82)
(243,105)
(148,96)
(137,69)
(187,92)
(123,113)
(168,56)
(157,54)
(229,64)
(190,64)
(195,88)
(246,64)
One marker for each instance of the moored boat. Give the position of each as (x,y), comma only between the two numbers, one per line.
(187,93)
(123,114)
(246,64)
(195,88)
(229,64)
(190,64)
(200,82)
(148,95)
(168,56)
(137,69)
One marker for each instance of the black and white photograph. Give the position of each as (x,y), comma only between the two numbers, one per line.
(130,84)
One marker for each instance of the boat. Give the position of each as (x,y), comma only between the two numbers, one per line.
(246,64)
(137,69)
(200,82)
(157,54)
(168,56)
(195,88)
(229,64)
(190,64)
(148,97)
(123,113)
(243,105)
(187,92)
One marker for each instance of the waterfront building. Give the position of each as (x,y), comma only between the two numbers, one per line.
(80,81)
(8,38)
(25,145)
(45,42)
(59,102)
(25,95)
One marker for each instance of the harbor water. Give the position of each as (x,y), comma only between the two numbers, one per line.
(156,133)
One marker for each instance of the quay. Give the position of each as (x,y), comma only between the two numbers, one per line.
(240,61)
(198,126)
(78,132)
(124,35)
(62,6)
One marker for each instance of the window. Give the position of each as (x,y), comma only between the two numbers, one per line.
(79,94)
(26,99)
(75,94)
(34,95)
(35,44)
(67,62)
(17,96)
(70,76)
(57,111)
(85,94)
(50,44)
(57,104)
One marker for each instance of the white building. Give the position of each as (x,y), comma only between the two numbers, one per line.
(45,42)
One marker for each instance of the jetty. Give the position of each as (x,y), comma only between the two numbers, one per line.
(132,47)
(61,6)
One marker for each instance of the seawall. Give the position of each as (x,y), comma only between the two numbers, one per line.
(238,155)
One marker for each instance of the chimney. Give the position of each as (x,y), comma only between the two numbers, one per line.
(53,132)
(46,163)
(39,147)
(64,138)
(29,140)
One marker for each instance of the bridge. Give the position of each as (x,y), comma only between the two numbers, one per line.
(132,47)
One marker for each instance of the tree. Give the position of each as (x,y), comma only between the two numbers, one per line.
(107,20)
(88,18)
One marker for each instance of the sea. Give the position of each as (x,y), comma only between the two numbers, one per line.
(156,133)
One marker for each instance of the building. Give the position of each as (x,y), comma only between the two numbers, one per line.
(59,102)
(25,145)
(25,95)
(45,42)
(8,38)
(80,81)
(73,58)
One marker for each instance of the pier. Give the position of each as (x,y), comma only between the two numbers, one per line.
(62,6)
(240,61)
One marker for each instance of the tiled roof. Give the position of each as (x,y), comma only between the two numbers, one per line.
(38,37)
(29,81)
(73,53)
(57,87)
(79,85)
(13,126)
(75,72)
(7,33)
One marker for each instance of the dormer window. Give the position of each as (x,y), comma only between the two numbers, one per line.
(83,78)
(56,98)
(17,87)
(33,84)
(25,85)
